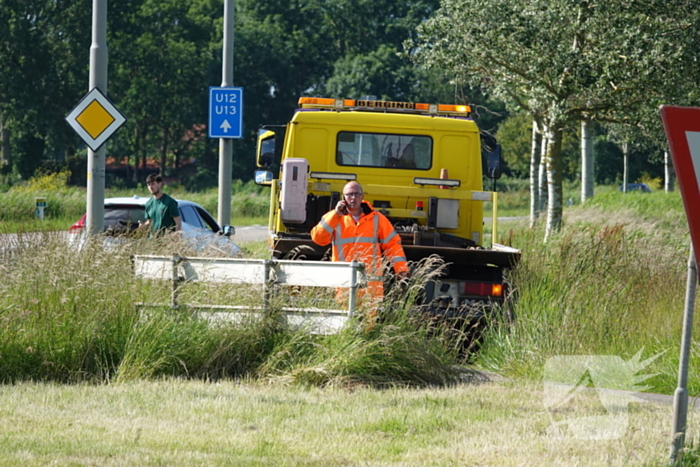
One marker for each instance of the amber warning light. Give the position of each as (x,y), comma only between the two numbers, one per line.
(352,104)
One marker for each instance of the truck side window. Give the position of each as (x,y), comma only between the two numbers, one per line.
(384,150)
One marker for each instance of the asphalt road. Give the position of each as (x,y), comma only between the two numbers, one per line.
(245,234)
(12,240)
(250,233)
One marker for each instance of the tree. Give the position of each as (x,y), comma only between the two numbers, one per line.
(515,135)
(330,48)
(161,54)
(560,60)
(39,85)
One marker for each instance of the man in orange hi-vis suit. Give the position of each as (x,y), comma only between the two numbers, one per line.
(358,232)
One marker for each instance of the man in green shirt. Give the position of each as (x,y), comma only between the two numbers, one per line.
(162,214)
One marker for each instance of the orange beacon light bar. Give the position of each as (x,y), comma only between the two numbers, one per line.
(353,104)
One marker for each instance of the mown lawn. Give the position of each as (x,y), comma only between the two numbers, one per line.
(184,423)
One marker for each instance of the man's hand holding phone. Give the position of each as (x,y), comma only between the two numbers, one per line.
(341,208)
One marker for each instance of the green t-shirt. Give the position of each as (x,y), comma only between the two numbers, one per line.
(162,212)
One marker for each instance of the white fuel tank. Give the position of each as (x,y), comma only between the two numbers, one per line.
(293,190)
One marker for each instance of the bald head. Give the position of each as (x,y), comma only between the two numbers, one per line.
(352,197)
(352,187)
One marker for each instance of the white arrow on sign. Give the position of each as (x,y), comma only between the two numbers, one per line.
(226,126)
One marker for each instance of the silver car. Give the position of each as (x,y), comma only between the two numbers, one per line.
(199,229)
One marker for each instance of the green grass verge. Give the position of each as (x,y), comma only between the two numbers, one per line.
(65,205)
(612,282)
(183,423)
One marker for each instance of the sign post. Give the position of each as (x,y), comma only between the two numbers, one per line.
(40,206)
(95,119)
(97,158)
(682,126)
(225,143)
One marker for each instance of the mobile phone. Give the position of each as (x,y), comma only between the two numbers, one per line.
(344,208)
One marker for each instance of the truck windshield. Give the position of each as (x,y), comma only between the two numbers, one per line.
(384,150)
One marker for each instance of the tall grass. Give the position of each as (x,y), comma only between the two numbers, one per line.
(63,316)
(612,283)
(399,348)
(69,315)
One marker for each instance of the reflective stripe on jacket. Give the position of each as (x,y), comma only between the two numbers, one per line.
(365,241)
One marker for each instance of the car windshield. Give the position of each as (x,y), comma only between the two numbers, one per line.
(121,216)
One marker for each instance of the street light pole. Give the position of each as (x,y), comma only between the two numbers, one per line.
(225,144)
(96,159)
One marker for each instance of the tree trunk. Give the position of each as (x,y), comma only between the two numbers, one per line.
(668,174)
(587,170)
(542,176)
(5,137)
(625,166)
(534,175)
(554,182)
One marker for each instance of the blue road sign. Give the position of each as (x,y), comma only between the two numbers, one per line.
(225,112)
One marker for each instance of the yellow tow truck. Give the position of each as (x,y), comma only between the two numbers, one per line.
(421,165)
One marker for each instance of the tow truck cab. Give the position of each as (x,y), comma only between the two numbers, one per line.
(419,164)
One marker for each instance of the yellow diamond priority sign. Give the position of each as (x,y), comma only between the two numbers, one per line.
(95,119)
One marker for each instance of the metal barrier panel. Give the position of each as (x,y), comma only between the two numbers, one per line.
(314,273)
(180,270)
(153,267)
(232,271)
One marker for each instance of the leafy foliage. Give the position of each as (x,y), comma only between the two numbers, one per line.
(562,61)
(163,55)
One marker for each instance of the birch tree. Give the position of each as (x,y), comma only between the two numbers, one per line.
(561,59)
(542,195)
(534,172)
(669,173)
(587,169)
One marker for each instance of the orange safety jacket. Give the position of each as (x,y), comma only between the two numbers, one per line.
(365,241)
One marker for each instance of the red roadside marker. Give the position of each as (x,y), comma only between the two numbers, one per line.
(682,126)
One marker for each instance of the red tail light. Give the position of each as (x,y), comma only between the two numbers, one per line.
(78,226)
(484,289)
